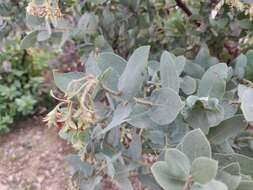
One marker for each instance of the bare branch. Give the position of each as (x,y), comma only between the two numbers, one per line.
(184,7)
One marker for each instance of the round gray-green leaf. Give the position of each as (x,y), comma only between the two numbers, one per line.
(204,170)
(139,117)
(178,163)
(117,63)
(43,35)
(226,129)
(166,106)
(197,118)
(188,85)
(240,90)
(213,82)
(169,73)
(62,80)
(34,22)
(87,23)
(161,173)
(247,104)
(180,64)
(131,80)
(195,144)
(230,175)
(29,40)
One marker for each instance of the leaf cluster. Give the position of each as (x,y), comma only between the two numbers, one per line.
(143,106)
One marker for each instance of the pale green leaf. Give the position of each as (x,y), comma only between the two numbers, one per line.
(204,59)
(29,40)
(188,85)
(120,116)
(91,66)
(229,109)
(169,73)
(246,163)
(106,60)
(84,167)
(247,104)
(130,82)
(166,106)
(240,64)
(197,119)
(121,176)
(88,23)
(43,35)
(62,80)
(34,22)
(241,89)
(139,117)
(142,121)
(213,82)
(204,170)
(178,163)
(180,64)
(194,70)
(148,180)
(161,173)
(226,129)
(249,67)
(230,175)
(195,144)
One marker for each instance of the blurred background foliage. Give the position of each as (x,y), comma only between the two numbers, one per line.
(122,25)
(22,74)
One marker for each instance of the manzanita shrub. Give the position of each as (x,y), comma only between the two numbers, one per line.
(194,114)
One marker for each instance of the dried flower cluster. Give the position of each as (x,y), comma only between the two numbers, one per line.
(44,10)
(69,113)
(248,8)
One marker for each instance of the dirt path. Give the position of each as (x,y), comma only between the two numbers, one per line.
(32,158)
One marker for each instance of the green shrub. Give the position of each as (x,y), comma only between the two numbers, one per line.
(20,84)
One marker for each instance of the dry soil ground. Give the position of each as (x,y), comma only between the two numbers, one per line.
(32,158)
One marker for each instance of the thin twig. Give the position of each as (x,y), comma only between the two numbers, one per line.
(110,91)
(244,139)
(183,6)
(143,101)
(188,183)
